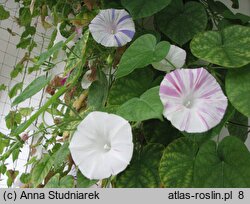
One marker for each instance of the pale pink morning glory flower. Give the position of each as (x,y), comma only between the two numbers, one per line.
(193,100)
(102,145)
(112,28)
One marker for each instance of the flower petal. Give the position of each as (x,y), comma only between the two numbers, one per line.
(175,58)
(102,145)
(86,82)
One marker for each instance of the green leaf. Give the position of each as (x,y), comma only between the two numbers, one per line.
(33,88)
(180,22)
(3,87)
(18,69)
(238,89)
(76,56)
(29,30)
(25,178)
(176,167)
(238,127)
(133,85)
(45,55)
(225,166)
(235,4)
(3,168)
(15,155)
(142,52)
(41,170)
(162,132)
(184,164)
(56,182)
(11,177)
(24,43)
(146,107)
(4,142)
(143,170)
(83,182)
(3,13)
(67,182)
(13,92)
(61,155)
(229,48)
(13,146)
(53,182)
(26,111)
(25,16)
(98,92)
(13,119)
(141,8)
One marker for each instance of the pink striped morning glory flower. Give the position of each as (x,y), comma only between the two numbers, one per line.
(193,100)
(112,28)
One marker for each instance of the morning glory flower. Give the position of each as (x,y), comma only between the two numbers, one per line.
(112,28)
(60,37)
(102,145)
(175,59)
(193,100)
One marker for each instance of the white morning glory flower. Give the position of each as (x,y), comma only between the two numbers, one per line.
(102,145)
(175,59)
(193,100)
(59,36)
(112,28)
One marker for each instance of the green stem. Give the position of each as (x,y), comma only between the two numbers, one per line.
(238,124)
(26,124)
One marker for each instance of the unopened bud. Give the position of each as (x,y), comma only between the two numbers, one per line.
(24,137)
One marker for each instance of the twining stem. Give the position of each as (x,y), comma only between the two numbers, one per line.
(26,124)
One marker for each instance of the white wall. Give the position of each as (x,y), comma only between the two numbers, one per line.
(9,57)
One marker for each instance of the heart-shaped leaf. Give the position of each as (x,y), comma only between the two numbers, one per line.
(238,89)
(176,167)
(144,51)
(61,155)
(83,182)
(146,107)
(238,126)
(225,166)
(162,132)
(229,48)
(143,170)
(184,164)
(142,8)
(98,92)
(41,170)
(131,86)
(180,22)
